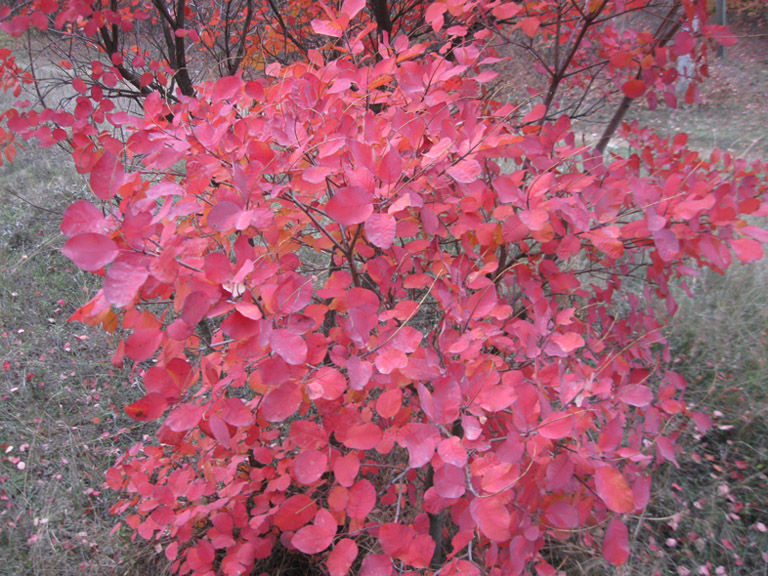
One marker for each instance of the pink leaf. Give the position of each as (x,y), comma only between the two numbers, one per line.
(350,206)
(80,218)
(235,413)
(90,251)
(556,426)
(363,436)
(616,543)
(313,539)
(309,466)
(492,518)
(376,565)
(465,171)
(281,403)
(289,346)
(380,230)
(362,499)
(342,557)
(123,283)
(107,176)
(184,417)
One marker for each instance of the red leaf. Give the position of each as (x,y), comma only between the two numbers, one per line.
(556,426)
(376,565)
(362,499)
(452,452)
(420,440)
(342,557)
(395,538)
(530,26)
(80,218)
(634,88)
(345,469)
(350,206)
(747,249)
(667,244)
(309,466)
(492,518)
(289,346)
(562,515)
(562,345)
(621,59)
(123,283)
(536,113)
(281,403)
(317,537)
(614,490)
(184,417)
(450,481)
(141,345)
(684,43)
(235,413)
(295,512)
(223,216)
(148,408)
(465,171)
(363,436)
(380,230)
(389,403)
(636,395)
(328,383)
(616,543)
(90,251)
(200,558)
(107,176)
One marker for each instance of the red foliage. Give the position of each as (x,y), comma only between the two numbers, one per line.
(361,292)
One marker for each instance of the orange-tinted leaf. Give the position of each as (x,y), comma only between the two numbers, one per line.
(143,343)
(148,408)
(614,490)
(530,26)
(621,59)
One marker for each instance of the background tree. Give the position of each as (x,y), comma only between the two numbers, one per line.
(387,316)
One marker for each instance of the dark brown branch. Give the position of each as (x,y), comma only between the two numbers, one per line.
(380,10)
(672,25)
